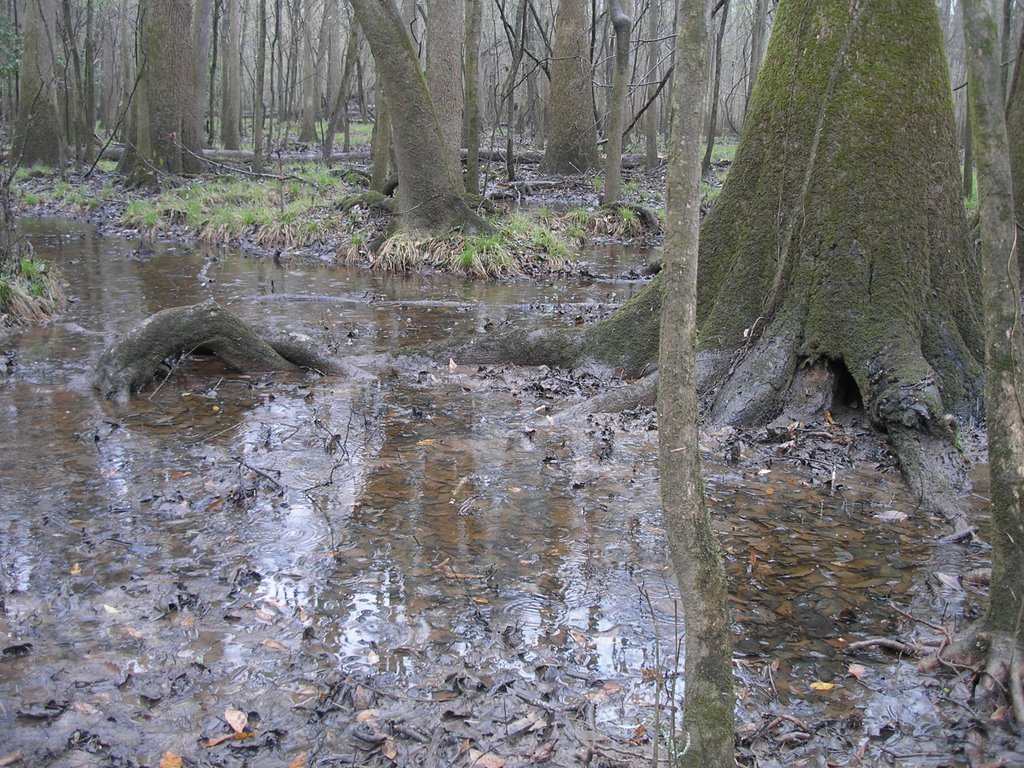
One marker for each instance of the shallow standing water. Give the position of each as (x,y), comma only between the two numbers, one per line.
(305,550)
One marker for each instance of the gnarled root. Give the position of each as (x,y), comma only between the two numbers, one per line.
(998,662)
(132,361)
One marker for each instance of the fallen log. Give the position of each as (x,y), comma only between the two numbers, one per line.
(133,360)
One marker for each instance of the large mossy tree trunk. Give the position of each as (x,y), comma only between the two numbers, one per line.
(709,702)
(1015,132)
(572,134)
(1004,354)
(839,239)
(37,135)
(430,198)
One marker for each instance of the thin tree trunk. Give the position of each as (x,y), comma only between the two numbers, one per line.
(517,42)
(758,33)
(693,544)
(339,112)
(307,131)
(75,96)
(202,27)
(1004,343)
(89,95)
(472,106)
(969,148)
(651,114)
(231,84)
(261,67)
(716,88)
(623,25)
(380,144)
(215,37)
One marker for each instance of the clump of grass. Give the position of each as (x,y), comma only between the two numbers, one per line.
(30,291)
(519,245)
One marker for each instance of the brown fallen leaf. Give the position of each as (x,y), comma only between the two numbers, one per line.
(10,759)
(820,686)
(367,714)
(213,742)
(299,761)
(857,670)
(389,749)
(236,719)
(274,644)
(171,760)
(486,759)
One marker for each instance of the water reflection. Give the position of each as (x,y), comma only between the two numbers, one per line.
(387,524)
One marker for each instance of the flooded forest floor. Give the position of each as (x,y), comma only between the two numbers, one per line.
(422,564)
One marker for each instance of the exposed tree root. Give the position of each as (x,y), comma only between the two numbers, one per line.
(133,360)
(997,659)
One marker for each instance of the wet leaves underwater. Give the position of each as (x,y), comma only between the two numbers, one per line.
(420,567)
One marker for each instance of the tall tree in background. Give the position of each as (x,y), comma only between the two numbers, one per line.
(429,198)
(572,134)
(231,74)
(474,18)
(758,33)
(309,87)
(202,29)
(651,115)
(445,34)
(166,139)
(1003,633)
(37,134)
(623,26)
(708,719)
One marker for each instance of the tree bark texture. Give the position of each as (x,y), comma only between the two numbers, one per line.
(259,105)
(1004,336)
(445,35)
(1015,132)
(708,719)
(651,159)
(202,30)
(231,74)
(572,132)
(758,33)
(132,362)
(623,26)
(310,89)
(716,89)
(430,199)
(37,134)
(474,19)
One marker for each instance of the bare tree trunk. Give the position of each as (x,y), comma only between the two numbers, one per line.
(307,131)
(89,87)
(969,148)
(202,28)
(517,42)
(623,25)
(380,146)
(708,721)
(572,138)
(261,68)
(37,134)
(218,9)
(231,83)
(651,115)
(339,112)
(445,36)
(716,88)
(757,37)
(472,107)
(1004,352)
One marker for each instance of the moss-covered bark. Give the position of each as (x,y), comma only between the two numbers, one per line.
(1015,132)
(430,197)
(840,233)
(132,361)
(1004,345)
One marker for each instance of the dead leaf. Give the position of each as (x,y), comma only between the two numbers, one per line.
(367,714)
(389,749)
(763,472)
(275,645)
(76,569)
(891,516)
(769,491)
(639,735)
(581,640)
(299,761)
(10,759)
(372,657)
(426,442)
(950,580)
(606,690)
(236,719)
(486,759)
(110,608)
(857,670)
(265,615)
(213,742)
(171,760)
(452,365)
(820,686)
(188,621)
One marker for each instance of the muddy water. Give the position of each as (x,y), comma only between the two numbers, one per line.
(303,550)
